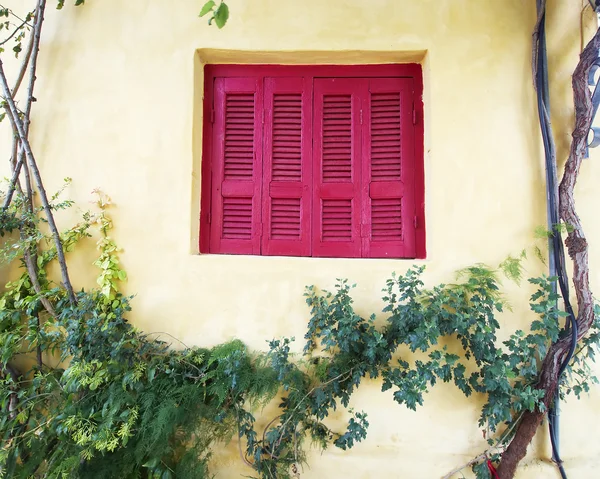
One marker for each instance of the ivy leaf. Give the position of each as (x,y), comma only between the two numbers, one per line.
(208,6)
(221,15)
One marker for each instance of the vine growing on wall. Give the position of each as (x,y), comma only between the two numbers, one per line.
(102,399)
(85,394)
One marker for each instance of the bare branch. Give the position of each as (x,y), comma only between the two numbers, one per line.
(17,168)
(19,157)
(35,49)
(32,271)
(22,131)
(24,64)
(13,181)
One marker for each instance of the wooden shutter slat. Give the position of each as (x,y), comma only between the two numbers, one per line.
(285,219)
(386,219)
(237,169)
(287,179)
(336,157)
(336,118)
(385,136)
(388,169)
(239,125)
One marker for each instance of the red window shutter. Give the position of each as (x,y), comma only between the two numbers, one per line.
(287,167)
(236,166)
(337,172)
(388,169)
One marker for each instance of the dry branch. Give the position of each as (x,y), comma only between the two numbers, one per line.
(17,157)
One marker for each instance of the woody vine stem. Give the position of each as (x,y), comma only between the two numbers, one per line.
(577,247)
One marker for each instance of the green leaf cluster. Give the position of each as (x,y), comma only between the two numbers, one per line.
(218,13)
(103,399)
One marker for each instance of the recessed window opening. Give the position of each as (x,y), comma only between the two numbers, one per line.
(322,161)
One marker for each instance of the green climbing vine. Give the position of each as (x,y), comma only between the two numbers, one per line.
(104,399)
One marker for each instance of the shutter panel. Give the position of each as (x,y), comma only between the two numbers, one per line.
(236,166)
(336,157)
(388,169)
(287,168)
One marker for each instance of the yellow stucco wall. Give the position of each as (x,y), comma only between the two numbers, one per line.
(119,94)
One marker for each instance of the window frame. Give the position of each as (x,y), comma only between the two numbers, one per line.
(408,70)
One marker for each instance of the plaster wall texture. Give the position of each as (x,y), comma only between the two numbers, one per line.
(120,96)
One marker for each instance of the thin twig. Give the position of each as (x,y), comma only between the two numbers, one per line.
(242,455)
(33,431)
(17,29)
(38,349)
(268,426)
(16,168)
(15,15)
(475,460)
(34,49)
(24,64)
(28,183)
(295,471)
(33,398)
(306,396)
(499,446)
(17,158)
(14,180)
(170,335)
(17,152)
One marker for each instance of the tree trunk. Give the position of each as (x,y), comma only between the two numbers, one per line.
(578,251)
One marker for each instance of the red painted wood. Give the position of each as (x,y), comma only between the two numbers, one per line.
(236,167)
(409,70)
(205,169)
(388,169)
(336,160)
(371,183)
(287,168)
(419,164)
